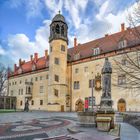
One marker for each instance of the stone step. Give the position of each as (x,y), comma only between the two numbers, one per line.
(118,118)
(60,138)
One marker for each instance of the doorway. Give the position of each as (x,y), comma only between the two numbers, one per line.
(121,105)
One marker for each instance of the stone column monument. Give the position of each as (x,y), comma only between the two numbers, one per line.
(106,102)
(105,115)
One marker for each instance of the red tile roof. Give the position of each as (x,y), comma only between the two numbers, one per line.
(106,44)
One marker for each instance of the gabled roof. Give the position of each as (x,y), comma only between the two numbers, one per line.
(106,44)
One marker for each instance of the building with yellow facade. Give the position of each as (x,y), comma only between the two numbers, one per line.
(61,79)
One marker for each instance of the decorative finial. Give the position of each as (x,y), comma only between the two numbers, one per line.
(59,11)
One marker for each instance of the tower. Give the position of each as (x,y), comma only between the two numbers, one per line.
(57,88)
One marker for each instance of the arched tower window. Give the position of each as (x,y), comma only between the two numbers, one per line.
(57,29)
(62,30)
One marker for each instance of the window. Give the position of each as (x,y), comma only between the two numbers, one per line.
(62,30)
(12,83)
(41,89)
(15,82)
(33,67)
(36,79)
(122,44)
(77,56)
(85,69)
(91,83)
(51,49)
(124,62)
(121,79)
(28,90)
(76,70)
(56,92)
(32,103)
(56,78)
(40,77)
(63,48)
(41,102)
(9,84)
(20,103)
(19,92)
(47,76)
(57,29)
(11,92)
(96,51)
(56,61)
(76,85)
(20,82)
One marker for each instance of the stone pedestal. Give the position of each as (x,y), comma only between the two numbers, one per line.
(86,119)
(103,123)
(107,113)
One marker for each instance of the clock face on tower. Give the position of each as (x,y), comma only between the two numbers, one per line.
(98,82)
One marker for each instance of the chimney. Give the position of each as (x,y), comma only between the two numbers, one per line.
(75,42)
(122,27)
(106,35)
(20,62)
(23,62)
(46,53)
(35,56)
(31,57)
(15,67)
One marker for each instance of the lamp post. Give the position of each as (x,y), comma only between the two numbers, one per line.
(92,86)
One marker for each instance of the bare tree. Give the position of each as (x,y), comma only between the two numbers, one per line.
(3,80)
(127,66)
(134,18)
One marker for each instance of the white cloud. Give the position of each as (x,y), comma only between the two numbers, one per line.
(33,8)
(54,6)
(20,45)
(2,51)
(102,10)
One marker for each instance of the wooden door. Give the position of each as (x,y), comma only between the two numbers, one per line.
(80,106)
(62,108)
(121,105)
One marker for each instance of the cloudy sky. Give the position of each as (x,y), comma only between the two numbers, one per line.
(24,24)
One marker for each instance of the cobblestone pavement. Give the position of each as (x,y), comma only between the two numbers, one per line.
(36,124)
(40,124)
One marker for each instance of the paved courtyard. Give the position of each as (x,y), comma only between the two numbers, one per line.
(40,124)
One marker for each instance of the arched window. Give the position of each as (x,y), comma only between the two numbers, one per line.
(62,30)
(57,29)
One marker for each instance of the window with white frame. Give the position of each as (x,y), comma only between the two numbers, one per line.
(76,70)
(122,44)
(77,56)
(41,89)
(85,69)
(76,85)
(121,79)
(96,51)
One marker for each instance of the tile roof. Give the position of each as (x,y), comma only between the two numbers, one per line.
(106,44)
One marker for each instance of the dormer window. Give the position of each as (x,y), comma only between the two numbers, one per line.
(77,56)
(33,67)
(96,51)
(122,44)
(19,71)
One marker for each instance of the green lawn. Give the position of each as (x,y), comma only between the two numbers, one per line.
(6,110)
